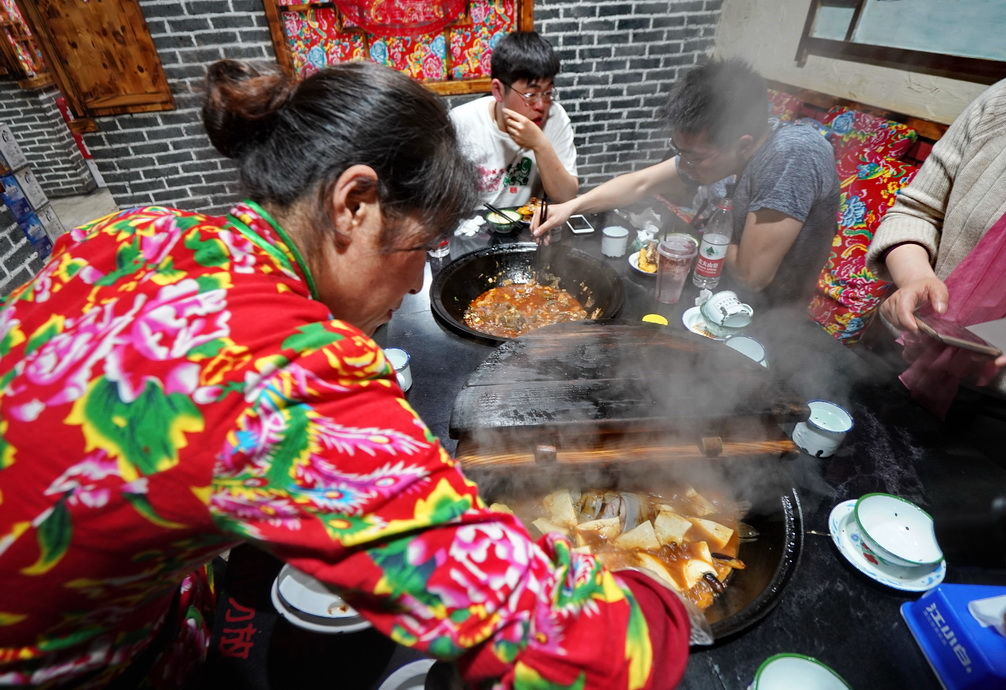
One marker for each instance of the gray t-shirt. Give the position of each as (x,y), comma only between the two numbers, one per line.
(794,173)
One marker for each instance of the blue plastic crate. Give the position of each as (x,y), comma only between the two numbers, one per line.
(963,654)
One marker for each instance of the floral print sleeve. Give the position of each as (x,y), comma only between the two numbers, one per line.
(170,387)
(336,475)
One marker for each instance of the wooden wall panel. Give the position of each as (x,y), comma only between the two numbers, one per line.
(101,53)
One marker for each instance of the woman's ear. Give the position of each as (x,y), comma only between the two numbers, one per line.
(354,201)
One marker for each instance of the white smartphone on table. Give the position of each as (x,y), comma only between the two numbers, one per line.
(579,225)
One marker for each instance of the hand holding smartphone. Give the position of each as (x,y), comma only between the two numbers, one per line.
(950,333)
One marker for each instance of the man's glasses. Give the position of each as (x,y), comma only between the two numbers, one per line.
(691,159)
(536,98)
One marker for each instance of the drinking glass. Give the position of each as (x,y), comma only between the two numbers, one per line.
(675,255)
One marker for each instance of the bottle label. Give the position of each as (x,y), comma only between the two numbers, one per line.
(711,257)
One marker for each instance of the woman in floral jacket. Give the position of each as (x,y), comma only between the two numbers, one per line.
(173,384)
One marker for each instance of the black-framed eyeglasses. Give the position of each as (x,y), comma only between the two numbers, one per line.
(534,98)
(691,159)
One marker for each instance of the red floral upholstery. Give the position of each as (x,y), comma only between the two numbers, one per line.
(848,294)
(784,106)
(859,137)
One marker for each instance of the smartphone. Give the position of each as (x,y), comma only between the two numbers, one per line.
(579,225)
(950,333)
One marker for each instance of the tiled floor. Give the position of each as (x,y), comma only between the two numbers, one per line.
(76,210)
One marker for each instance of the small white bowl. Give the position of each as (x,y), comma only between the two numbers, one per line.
(307,594)
(796,671)
(749,347)
(400,361)
(897,531)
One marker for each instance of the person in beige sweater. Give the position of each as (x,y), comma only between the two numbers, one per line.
(943,213)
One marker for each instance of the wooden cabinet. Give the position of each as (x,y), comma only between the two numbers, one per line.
(101,55)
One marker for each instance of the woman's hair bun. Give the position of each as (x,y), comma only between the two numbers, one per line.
(242,102)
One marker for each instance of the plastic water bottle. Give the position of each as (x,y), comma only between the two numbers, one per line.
(713,250)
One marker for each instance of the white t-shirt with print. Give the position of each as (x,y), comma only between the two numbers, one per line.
(507,173)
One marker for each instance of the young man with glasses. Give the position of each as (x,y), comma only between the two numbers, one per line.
(786,195)
(519,138)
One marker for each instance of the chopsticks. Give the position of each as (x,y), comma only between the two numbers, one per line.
(500,213)
(540,261)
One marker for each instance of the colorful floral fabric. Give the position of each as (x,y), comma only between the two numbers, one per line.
(320,37)
(859,137)
(169,388)
(848,293)
(784,106)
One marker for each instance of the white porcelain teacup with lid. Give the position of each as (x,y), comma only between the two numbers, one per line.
(725,314)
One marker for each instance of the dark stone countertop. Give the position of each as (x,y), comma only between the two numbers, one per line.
(828,610)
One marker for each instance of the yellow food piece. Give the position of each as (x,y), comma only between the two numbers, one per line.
(717,534)
(500,508)
(658,568)
(559,505)
(608,528)
(700,550)
(644,263)
(641,536)
(671,527)
(700,504)
(545,526)
(694,571)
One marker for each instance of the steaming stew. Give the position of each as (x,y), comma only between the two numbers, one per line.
(514,309)
(681,536)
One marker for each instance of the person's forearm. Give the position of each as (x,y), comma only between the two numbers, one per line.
(908,262)
(558,183)
(629,188)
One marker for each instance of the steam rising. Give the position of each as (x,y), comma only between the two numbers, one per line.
(628,406)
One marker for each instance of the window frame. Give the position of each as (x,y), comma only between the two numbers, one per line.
(980,70)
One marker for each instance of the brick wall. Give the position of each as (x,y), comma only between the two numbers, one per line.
(19,260)
(165,157)
(39,129)
(619,61)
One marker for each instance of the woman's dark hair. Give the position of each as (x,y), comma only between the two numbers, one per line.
(292,140)
(722,99)
(523,55)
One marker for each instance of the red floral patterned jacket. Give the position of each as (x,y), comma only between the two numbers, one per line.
(169,388)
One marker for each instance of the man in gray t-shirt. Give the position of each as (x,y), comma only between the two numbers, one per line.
(792,173)
(786,200)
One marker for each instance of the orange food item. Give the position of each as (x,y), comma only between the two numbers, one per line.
(512,310)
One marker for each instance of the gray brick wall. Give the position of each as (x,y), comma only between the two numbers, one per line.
(164,157)
(19,260)
(619,62)
(39,129)
(620,59)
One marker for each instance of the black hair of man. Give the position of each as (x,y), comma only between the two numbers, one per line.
(523,55)
(720,99)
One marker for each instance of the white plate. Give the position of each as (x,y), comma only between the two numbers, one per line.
(845,533)
(308,609)
(634,262)
(696,323)
(412,676)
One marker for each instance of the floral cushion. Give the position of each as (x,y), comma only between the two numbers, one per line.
(782,105)
(859,137)
(847,293)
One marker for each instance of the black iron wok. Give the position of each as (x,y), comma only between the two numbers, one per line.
(595,284)
(770,559)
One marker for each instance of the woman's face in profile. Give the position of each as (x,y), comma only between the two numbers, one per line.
(368,280)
